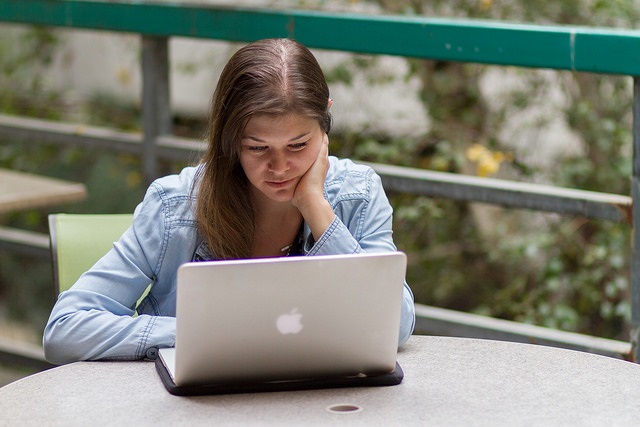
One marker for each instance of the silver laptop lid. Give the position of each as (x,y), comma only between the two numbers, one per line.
(288,318)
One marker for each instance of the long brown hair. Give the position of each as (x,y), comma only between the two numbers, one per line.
(271,76)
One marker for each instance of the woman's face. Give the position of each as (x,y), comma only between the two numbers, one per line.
(277,151)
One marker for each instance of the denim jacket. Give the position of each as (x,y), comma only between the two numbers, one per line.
(95,319)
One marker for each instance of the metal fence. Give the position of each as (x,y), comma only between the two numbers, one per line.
(594,50)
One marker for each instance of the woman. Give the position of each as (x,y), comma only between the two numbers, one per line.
(266,187)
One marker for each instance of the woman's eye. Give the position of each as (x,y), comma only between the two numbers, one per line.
(298,146)
(256,148)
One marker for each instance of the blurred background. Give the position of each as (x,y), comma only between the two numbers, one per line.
(569,129)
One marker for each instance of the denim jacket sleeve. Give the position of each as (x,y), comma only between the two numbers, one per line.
(95,318)
(363,223)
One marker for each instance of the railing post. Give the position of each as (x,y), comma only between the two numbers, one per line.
(635,242)
(156,107)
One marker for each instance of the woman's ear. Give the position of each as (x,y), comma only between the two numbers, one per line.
(329,104)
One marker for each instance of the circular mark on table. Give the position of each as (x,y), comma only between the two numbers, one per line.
(344,408)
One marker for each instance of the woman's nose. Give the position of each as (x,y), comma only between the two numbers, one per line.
(278,162)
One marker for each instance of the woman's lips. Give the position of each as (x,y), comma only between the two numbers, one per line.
(279,184)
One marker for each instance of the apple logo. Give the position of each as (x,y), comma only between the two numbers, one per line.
(289,323)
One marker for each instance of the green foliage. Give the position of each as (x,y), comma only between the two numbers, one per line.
(567,273)
(27,285)
(24,56)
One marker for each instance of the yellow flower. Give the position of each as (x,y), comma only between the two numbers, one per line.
(488,166)
(475,152)
(488,162)
(486,4)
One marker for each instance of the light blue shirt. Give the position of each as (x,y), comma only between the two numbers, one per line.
(95,318)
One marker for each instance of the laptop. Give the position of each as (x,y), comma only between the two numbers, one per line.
(286,324)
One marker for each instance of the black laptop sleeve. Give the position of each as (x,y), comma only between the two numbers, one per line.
(393,378)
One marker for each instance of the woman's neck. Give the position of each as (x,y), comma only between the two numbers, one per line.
(276,227)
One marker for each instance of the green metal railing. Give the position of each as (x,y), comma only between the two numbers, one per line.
(584,49)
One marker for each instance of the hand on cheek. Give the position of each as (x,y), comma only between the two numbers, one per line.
(309,194)
(311,185)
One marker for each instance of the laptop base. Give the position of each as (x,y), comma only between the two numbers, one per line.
(393,378)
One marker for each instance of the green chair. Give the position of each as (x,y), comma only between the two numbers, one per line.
(79,240)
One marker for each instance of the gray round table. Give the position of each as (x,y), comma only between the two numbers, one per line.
(448,381)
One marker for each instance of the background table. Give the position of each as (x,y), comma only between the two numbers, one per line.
(448,381)
(19,190)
